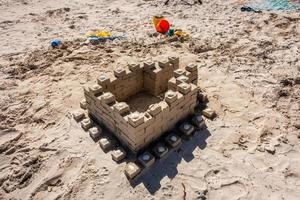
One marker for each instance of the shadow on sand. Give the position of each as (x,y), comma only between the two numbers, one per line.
(168,166)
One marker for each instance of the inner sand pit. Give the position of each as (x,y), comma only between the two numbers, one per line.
(141,101)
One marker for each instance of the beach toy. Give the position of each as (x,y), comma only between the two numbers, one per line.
(180,33)
(102,36)
(163,26)
(246,9)
(171,32)
(99,33)
(96,40)
(156,19)
(249,9)
(55,43)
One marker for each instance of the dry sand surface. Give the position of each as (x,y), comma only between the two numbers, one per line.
(248,66)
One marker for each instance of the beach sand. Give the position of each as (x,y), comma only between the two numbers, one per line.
(248,66)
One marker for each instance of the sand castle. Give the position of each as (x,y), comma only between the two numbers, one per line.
(174,89)
(168,94)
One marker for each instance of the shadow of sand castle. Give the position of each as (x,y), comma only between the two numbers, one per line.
(168,166)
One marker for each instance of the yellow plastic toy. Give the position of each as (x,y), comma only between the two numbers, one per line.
(99,33)
(180,33)
(156,19)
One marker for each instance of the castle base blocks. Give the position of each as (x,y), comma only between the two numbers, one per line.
(109,104)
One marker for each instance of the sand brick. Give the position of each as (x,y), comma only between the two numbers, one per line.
(83,104)
(119,72)
(174,61)
(182,79)
(173,140)
(163,63)
(179,72)
(198,121)
(209,113)
(103,80)
(134,66)
(95,89)
(154,109)
(121,108)
(160,150)
(107,98)
(184,88)
(86,124)
(105,144)
(78,115)
(146,159)
(132,170)
(149,66)
(186,128)
(170,96)
(118,154)
(95,132)
(192,67)
(136,119)
(172,84)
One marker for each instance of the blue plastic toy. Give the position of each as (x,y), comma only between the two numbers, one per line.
(55,43)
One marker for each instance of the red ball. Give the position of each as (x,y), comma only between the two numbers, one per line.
(163,26)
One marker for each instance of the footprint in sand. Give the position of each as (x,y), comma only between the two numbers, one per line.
(223,185)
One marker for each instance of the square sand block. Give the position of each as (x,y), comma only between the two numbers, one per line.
(174,61)
(121,107)
(146,159)
(95,133)
(149,65)
(192,67)
(78,115)
(198,121)
(188,74)
(119,72)
(184,88)
(163,63)
(160,150)
(154,109)
(108,98)
(83,104)
(173,140)
(86,124)
(132,170)
(170,96)
(96,89)
(118,154)
(136,119)
(182,79)
(202,98)
(186,128)
(172,84)
(105,144)
(209,113)
(134,66)
(179,72)
(103,79)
